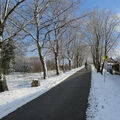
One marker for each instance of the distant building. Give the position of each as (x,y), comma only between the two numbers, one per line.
(115,63)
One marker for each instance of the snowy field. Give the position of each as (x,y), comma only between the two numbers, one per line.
(20,91)
(104,98)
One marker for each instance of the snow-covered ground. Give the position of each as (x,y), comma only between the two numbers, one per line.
(20,91)
(23,80)
(104,98)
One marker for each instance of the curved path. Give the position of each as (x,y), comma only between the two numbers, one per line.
(66,101)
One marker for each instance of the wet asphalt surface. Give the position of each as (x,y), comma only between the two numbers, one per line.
(66,101)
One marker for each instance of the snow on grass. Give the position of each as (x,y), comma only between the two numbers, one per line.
(23,80)
(20,91)
(104,97)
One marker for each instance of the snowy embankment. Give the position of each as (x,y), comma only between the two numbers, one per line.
(20,91)
(104,97)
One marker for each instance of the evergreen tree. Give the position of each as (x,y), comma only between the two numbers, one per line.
(8,56)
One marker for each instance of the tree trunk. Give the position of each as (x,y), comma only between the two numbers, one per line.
(97,58)
(104,60)
(44,68)
(77,61)
(43,62)
(80,62)
(63,62)
(56,64)
(69,64)
(3,84)
(102,68)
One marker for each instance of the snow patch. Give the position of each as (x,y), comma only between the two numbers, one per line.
(104,97)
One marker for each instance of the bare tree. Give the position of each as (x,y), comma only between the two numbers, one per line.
(94,37)
(61,11)
(69,39)
(101,34)
(37,38)
(57,10)
(4,15)
(38,32)
(49,19)
(80,53)
(110,32)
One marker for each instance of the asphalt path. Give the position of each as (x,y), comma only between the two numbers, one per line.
(66,101)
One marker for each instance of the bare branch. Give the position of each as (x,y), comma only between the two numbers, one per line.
(9,13)
(6,8)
